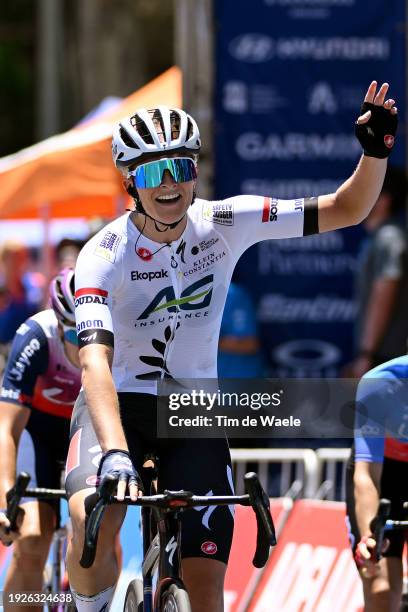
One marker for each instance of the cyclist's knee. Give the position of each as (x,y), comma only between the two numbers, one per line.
(109,527)
(31,551)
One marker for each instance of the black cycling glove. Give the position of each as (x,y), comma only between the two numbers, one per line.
(377,135)
(118,463)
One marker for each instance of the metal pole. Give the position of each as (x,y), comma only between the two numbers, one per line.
(49,28)
(194,54)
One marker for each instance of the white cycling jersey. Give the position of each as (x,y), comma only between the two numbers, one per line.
(161,305)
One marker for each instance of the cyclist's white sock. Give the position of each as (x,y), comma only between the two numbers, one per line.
(93,603)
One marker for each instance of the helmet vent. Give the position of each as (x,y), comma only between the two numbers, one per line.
(127,139)
(175,125)
(142,129)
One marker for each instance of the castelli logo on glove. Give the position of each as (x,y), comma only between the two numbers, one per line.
(209,548)
(389,141)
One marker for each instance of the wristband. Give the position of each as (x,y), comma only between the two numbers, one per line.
(377,135)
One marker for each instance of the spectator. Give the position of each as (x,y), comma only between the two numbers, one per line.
(67,251)
(382,280)
(21,290)
(238,351)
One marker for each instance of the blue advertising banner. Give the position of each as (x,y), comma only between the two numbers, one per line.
(290,79)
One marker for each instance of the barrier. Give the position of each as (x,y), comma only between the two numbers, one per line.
(332,468)
(311,569)
(304,461)
(242,577)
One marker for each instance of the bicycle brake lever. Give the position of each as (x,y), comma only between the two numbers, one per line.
(266,536)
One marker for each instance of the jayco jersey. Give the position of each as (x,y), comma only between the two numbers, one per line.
(161,305)
(381,428)
(38,373)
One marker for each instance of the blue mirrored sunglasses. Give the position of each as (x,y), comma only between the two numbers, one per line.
(150,175)
(70,334)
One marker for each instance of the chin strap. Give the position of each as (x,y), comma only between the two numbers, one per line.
(139,208)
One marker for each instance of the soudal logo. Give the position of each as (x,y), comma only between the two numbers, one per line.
(209,548)
(389,141)
(135,275)
(144,254)
(270,210)
(90,299)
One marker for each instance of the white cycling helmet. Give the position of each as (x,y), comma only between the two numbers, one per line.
(154,131)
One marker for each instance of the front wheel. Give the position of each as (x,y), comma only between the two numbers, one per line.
(134,597)
(175,599)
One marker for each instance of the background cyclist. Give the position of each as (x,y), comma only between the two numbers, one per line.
(40,385)
(378,468)
(150,292)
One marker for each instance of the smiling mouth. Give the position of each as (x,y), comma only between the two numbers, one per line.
(168,199)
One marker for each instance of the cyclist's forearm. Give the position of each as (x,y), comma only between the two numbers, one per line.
(366,503)
(7,464)
(103,406)
(359,193)
(355,198)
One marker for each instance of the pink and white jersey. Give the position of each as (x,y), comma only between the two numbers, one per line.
(38,373)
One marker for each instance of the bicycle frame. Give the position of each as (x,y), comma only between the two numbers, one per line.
(163,550)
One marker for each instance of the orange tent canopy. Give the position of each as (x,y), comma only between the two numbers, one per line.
(72,174)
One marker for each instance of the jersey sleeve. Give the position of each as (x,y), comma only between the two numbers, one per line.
(376,396)
(28,359)
(94,281)
(245,220)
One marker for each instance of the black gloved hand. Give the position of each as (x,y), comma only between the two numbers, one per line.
(376,136)
(117,463)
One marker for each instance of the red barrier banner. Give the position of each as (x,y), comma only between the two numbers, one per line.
(311,568)
(242,576)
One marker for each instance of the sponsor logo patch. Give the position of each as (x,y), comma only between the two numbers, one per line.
(149,276)
(203,245)
(144,254)
(24,359)
(270,210)
(90,299)
(108,246)
(389,141)
(23,329)
(194,297)
(13,394)
(89,324)
(223,214)
(209,548)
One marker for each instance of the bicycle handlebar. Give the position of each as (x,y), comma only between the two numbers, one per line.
(96,503)
(13,498)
